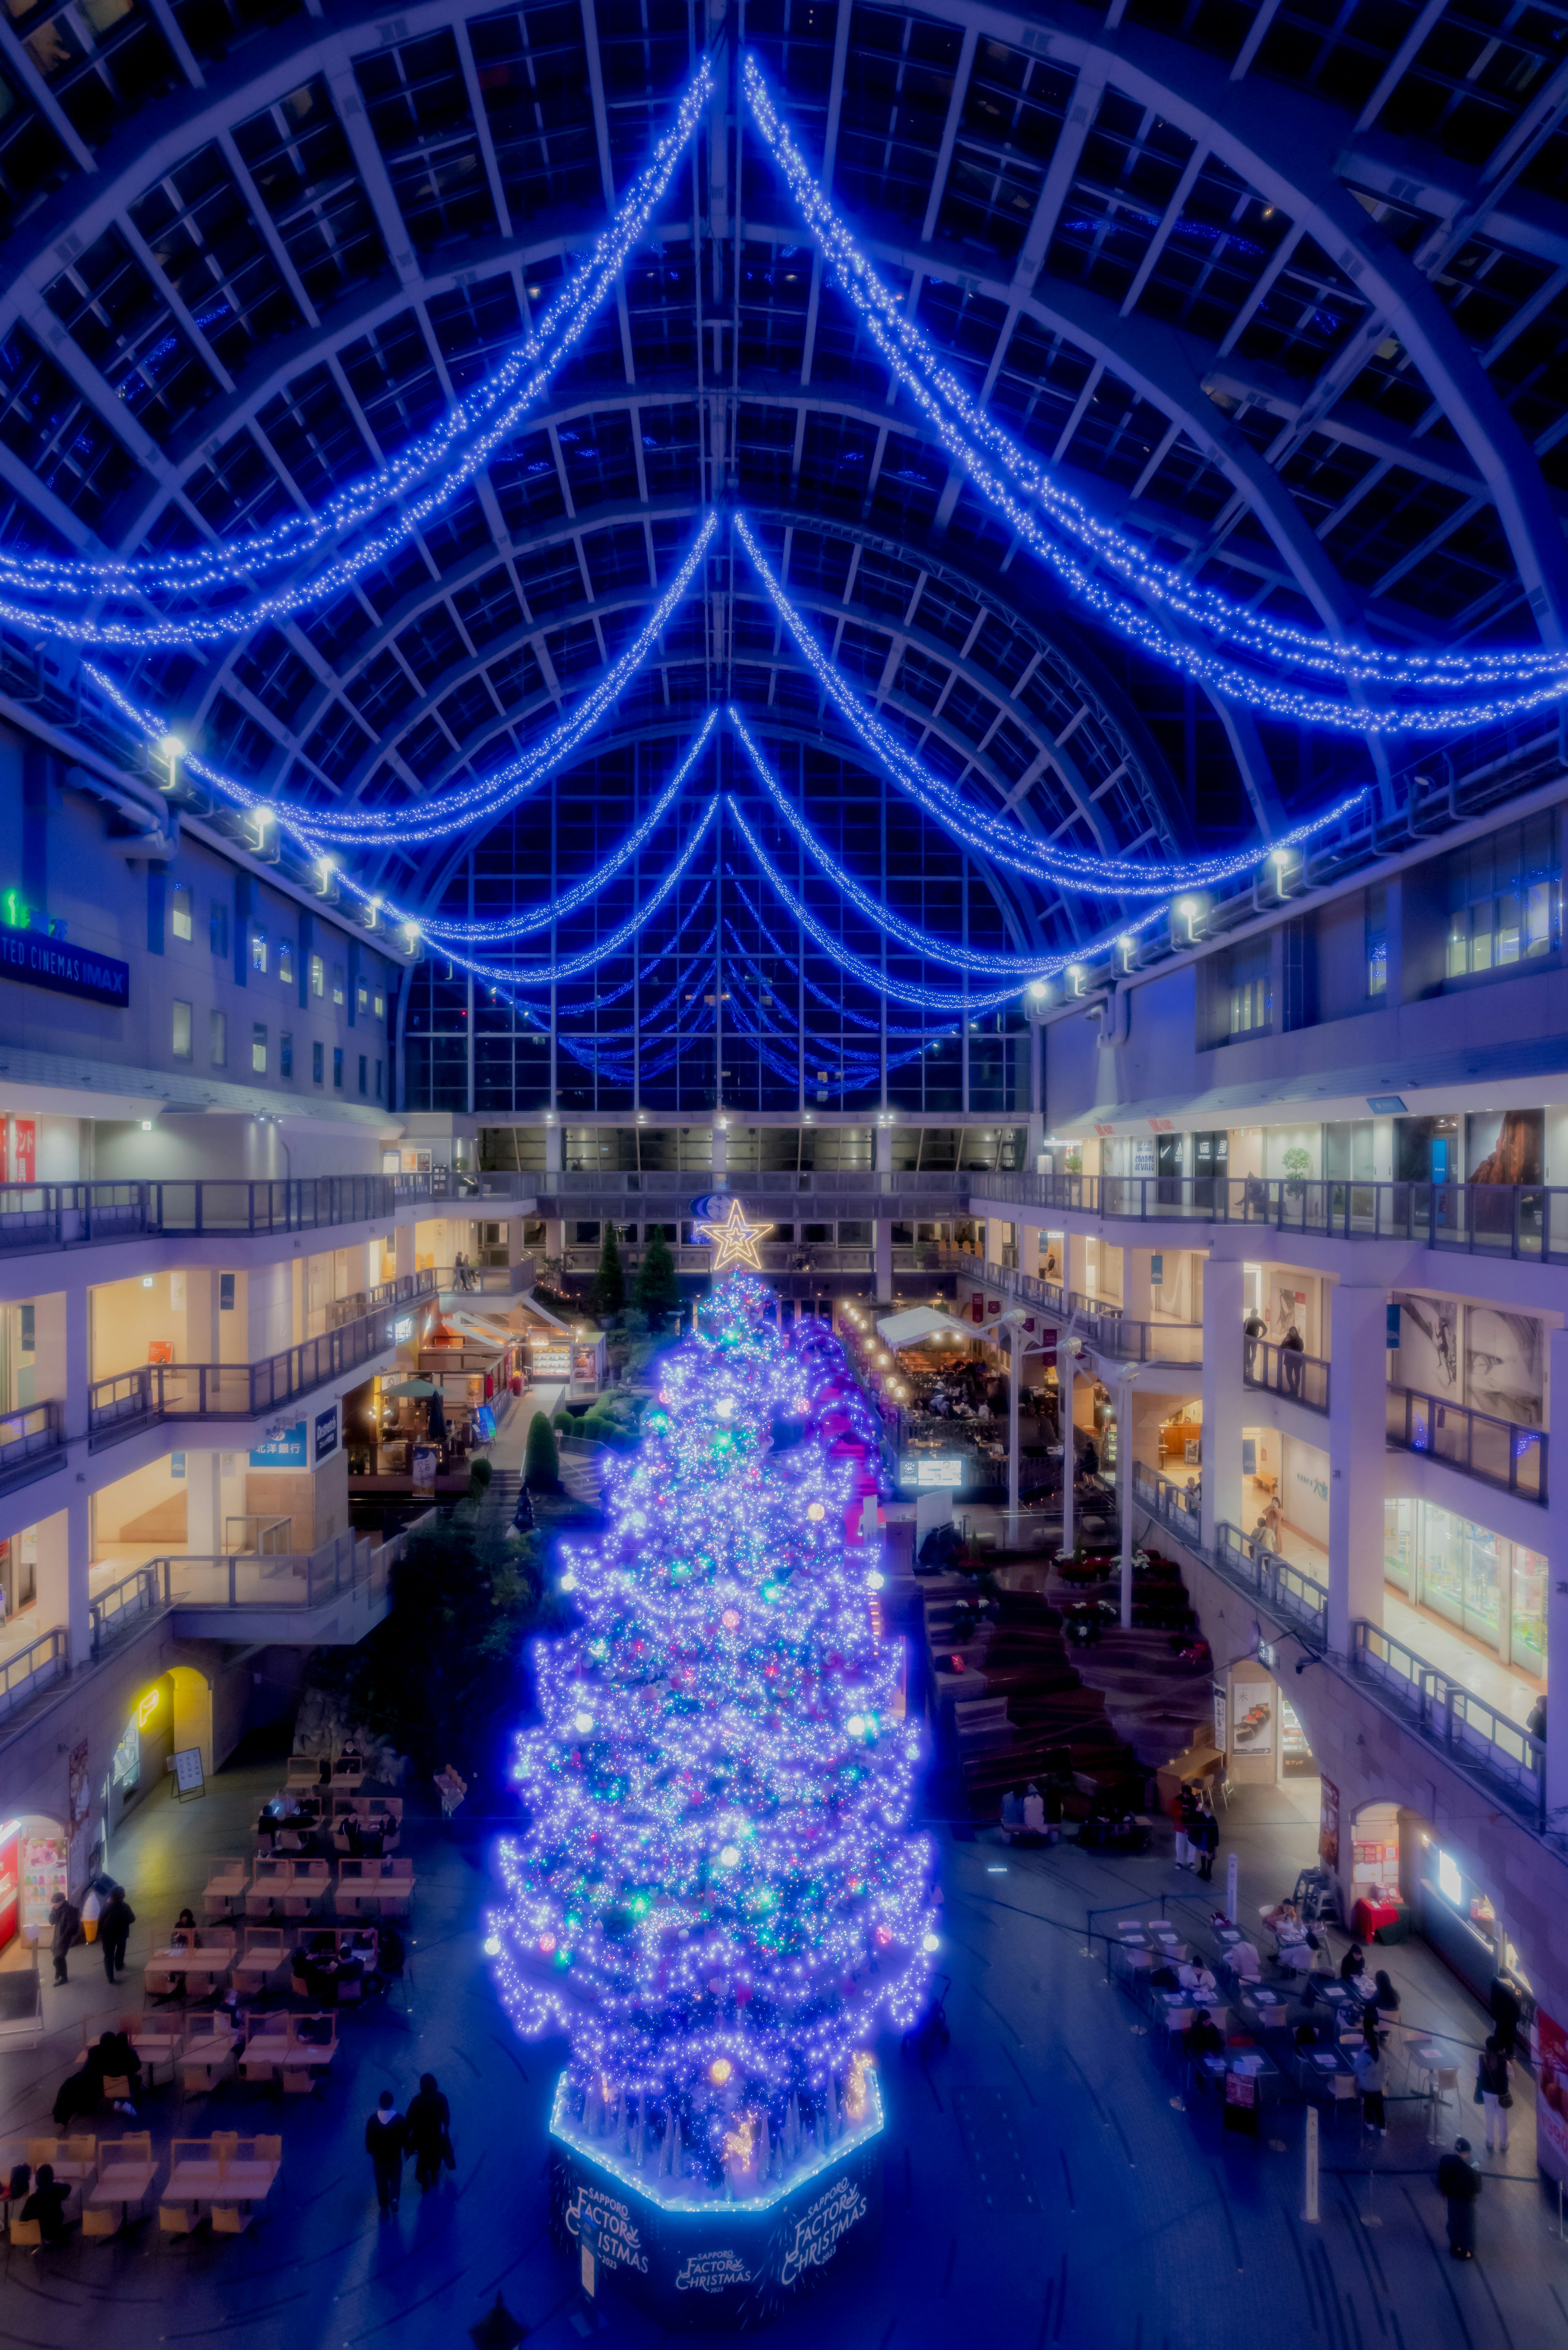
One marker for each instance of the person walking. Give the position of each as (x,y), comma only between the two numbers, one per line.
(1291,1364)
(1493,2091)
(1459,2180)
(386,2143)
(1506,2011)
(429,2133)
(115,1921)
(1208,1840)
(1253,1329)
(65,1917)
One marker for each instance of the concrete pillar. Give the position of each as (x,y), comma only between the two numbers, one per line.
(77,1616)
(1223,1395)
(1125,1487)
(1014,1389)
(54,1571)
(1137,1290)
(202,1316)
(403,1248)
(1557,1589)
(51,1372)
(555,1148)
(882,1259)
(203,1505)
(1029,1250)
(720,1156)
(1075,1270)
(1356,1417)
(77,1333)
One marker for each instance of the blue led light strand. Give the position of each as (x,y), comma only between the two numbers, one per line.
(527,918)
(1020,968)
(1528,677)
(445,814)
(782,954)
(499,404)
(990,835)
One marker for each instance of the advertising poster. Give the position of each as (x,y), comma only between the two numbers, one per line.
(326,1433)
(1328,1825)
(42,1876)
(1552,2107)
(1221,1716)
(427,1461)
(1252,1717)
(285,1450)
(1505,1365)
(1429,1358)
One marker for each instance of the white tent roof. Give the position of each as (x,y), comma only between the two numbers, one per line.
(921,1322)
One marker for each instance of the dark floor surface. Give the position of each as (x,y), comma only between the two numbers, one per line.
(1047,2180)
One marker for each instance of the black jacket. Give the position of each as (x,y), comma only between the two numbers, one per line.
(115,1922)
(429,2120)
(386,2143)
(1457,2178)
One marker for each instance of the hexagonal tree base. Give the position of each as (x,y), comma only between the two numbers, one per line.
(694,2259)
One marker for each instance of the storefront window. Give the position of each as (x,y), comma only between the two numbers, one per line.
(1398,1539)
(1530,1610)
(1492,1589)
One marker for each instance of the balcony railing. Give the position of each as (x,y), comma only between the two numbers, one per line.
(124,1606)
(32,1443)
(32,1669)
(1518,1219)
(1106,1327)
(1498,1451)
(1472,1733)
(248,1579)
(1284,1371)
(74,1215)
(488,1280)
(1290,1594)
(942,1187)
(1170,1502)
(153,1391)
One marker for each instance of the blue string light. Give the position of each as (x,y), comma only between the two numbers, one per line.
(448,813)
(499,404)
(1535,675)
(1021,968)
(527,918)
(860,1019)
(1063,867)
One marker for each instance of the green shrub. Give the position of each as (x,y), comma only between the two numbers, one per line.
(541,1460)
(609,1293)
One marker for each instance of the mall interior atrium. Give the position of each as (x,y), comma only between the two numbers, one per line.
(918,651)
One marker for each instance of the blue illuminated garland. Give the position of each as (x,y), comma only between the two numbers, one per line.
(447,812)
(1535,675)
(860,1019)
(977,828)
(526,918)
(917,941)
(500,403)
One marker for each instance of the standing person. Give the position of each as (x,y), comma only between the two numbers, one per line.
(386,2143)
(65,1917)
(1492,2089)
(1208,1840)
(429,2133)
(1505,2013)
(1372,2072)
(1459,2179)
(1253,1329)
(1291,1364)
(116,1919)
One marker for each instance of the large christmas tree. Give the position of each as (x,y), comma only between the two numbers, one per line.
(717,1898)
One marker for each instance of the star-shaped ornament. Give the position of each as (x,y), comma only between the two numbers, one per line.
(733,1241)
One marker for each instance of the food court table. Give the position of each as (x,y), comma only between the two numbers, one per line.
(215,1963)
(122,2185)
(207,2180)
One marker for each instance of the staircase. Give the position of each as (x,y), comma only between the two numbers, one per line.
(1155,1704)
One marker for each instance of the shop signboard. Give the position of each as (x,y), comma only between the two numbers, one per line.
(186,1765)
(65,971)
(22,1166)
(1252,1720)
(929,1472)
(427,1460)
(1221,1715)
(1552,2106)
(326,1433)
(10,1885)
(283,1450)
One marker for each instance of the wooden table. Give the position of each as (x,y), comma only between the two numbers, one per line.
(215,1963)
(156,2048)
(125,2184)
(262,2054)
(211,2181)
(208,2057)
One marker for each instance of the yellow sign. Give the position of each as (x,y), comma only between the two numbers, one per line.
(147,1708)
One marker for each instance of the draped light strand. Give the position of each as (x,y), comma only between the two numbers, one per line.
(500,404)
(1530,676)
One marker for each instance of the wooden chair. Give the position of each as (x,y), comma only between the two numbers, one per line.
(162,1986)
(269,2149)
(101,2221)
(27,2235)
(177,2219)
(231,2219)
(117,2088)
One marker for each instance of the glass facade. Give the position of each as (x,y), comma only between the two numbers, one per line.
(1505,898)
(1492,1589)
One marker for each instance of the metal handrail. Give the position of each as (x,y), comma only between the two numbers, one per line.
(119,1406)
(1106,1327)
(1472,1730)
(1499,1451)
(136,1595)
(1514,1219)
(74,1215)
(36,1667)
(1285,1371)
(32,1441)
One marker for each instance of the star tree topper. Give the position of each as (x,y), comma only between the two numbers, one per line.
(733,1241)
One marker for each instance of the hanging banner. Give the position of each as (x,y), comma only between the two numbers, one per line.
(1552,2106)
(1328,1825)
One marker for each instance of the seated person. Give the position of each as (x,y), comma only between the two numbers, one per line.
(1283,1919)
(389,1950)
(1305,2036)
(47,2204)
(1196,1975)
(1203,2038)
(1384,1998)
(1244,1963)
(1351,1965)
(79,2093)
(1012,1808)
(19,2185)
(1033,1811)
(114,2059)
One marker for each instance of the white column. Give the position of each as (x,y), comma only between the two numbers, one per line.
(203,1505)
(403,1248)
(1223,1394)
(74,1336)
(1137,1290)
(1356,1444)
(1125,1487)
(79,1583)
(720,1157)
(54,1570)
(882,1259)
(1029,1250)
(555,1148)
(1014,1384)
(1557,1587)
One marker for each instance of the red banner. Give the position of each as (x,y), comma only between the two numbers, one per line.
(10,1887)
(1552,2106)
